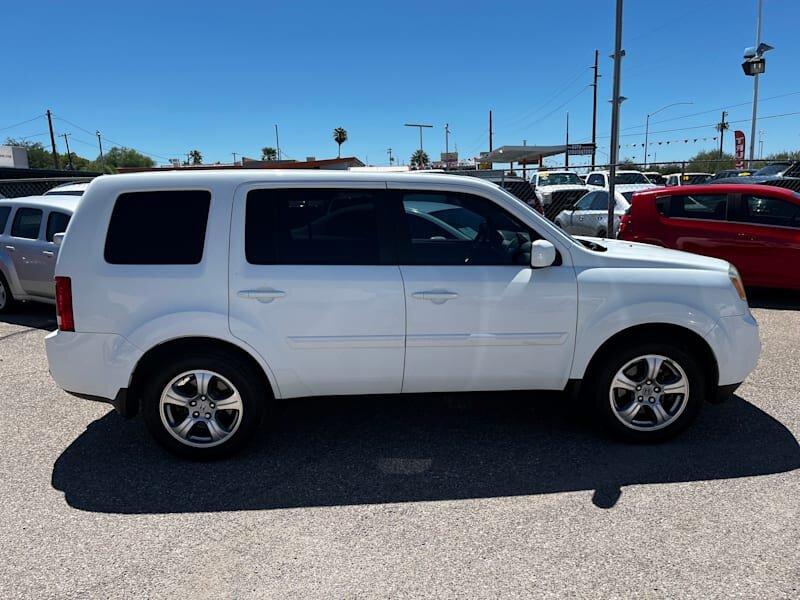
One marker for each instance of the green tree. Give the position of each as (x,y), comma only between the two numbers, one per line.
(125,157)
(269,153)
(420,159)
(340,137)
(195,157)
(38,156)
(707,162)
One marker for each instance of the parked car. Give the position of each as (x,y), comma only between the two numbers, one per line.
(29,229)
(199,298)
(514,184)
(788,168)
(557,190)
(68,189)
(626,181)
(589,216)
(755,227)
(655,177)
(726,173)
(677,179)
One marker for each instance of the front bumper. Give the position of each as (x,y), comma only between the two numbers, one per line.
(736,345)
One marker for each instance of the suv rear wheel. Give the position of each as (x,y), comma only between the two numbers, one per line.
(6,298)
(204,406)
(648,392)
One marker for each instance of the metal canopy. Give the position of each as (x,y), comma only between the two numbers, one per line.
(521,154)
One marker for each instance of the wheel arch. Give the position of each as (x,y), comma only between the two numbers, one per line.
(663,331)
(153,358)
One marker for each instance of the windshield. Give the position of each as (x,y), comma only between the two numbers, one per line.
(774,169)
(628,178)
(628,196)
(695,178)
(558,179)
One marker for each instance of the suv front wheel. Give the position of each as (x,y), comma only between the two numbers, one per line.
(648,392)
(203,407)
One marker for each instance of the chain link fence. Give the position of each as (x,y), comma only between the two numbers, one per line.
(17,188)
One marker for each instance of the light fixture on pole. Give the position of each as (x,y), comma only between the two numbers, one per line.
(420,131)
(754,65)
(647,126)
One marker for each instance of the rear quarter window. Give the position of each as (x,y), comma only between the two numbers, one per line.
(158,228)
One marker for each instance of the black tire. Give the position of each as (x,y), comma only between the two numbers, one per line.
(244,379)
(9,304)
(601,233)
(599,391)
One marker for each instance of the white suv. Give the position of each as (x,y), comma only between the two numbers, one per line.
(197,298)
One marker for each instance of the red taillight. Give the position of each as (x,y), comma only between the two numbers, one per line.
(66,322)
(624,225)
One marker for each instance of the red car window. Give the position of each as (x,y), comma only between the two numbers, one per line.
(769,211)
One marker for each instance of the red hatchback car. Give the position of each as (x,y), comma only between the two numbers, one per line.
(754,227)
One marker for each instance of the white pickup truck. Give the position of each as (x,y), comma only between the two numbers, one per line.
(558,190)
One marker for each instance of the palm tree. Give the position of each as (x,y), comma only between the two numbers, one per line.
(340,137)
(195,157)
(419,159)
(269,153)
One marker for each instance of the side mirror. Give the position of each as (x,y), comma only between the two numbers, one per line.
(543,254)
(58,238)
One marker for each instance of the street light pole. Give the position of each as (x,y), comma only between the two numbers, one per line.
(616,100)
(647,126)
(755,89)
(100,143)
(420,132)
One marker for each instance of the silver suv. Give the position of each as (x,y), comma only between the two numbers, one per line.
(29,240)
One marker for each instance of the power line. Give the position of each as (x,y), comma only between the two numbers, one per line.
(112,141)
(557,108)
(22,122)
(559,90)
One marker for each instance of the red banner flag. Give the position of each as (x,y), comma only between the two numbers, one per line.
(739,137)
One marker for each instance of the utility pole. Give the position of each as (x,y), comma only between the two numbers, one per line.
(52,139)
(491,133)
(755,90)
(566,146)
(277,142)
(391,158)
(234,158)
(616,100)
(447,145)
(66,141)
(760,145)
(100,143)
(594,110)
(722,127)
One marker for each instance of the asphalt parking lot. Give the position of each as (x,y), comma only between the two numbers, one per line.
(459,496)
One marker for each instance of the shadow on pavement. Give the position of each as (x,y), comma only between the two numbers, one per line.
(33,315)
(774,299)
(327,452)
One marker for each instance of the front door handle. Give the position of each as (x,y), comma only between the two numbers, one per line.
(263,296)
(11,248)
(48,253)
(435,296)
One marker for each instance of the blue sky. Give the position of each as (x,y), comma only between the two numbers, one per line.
(167,77)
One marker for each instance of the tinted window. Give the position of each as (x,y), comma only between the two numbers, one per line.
(4,212)
(158,228)
(769,211)
(482,233)
(26,223)
(595,180)
(56,223)
(600,202)
(312,227)
(630,178)
(585,202)
(699,206)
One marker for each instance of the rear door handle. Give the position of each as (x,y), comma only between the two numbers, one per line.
(12,248)
(48,253)
(263,296)
(435,296)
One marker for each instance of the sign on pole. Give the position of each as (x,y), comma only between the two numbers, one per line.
(580,149)
(739,137)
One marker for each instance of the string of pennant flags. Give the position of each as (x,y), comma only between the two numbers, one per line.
(668,142)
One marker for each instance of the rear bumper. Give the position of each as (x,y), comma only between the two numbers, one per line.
(97,366)
(122,402)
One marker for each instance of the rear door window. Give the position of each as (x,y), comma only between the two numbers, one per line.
(312,227)
(56,223)
(711,207)
(600,201)
(27,222)
(585,202)
(4,212)
(763,210)
(158,228)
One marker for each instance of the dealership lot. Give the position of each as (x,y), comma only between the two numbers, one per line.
(447,496)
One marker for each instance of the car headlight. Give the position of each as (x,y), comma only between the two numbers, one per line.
(736,280)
